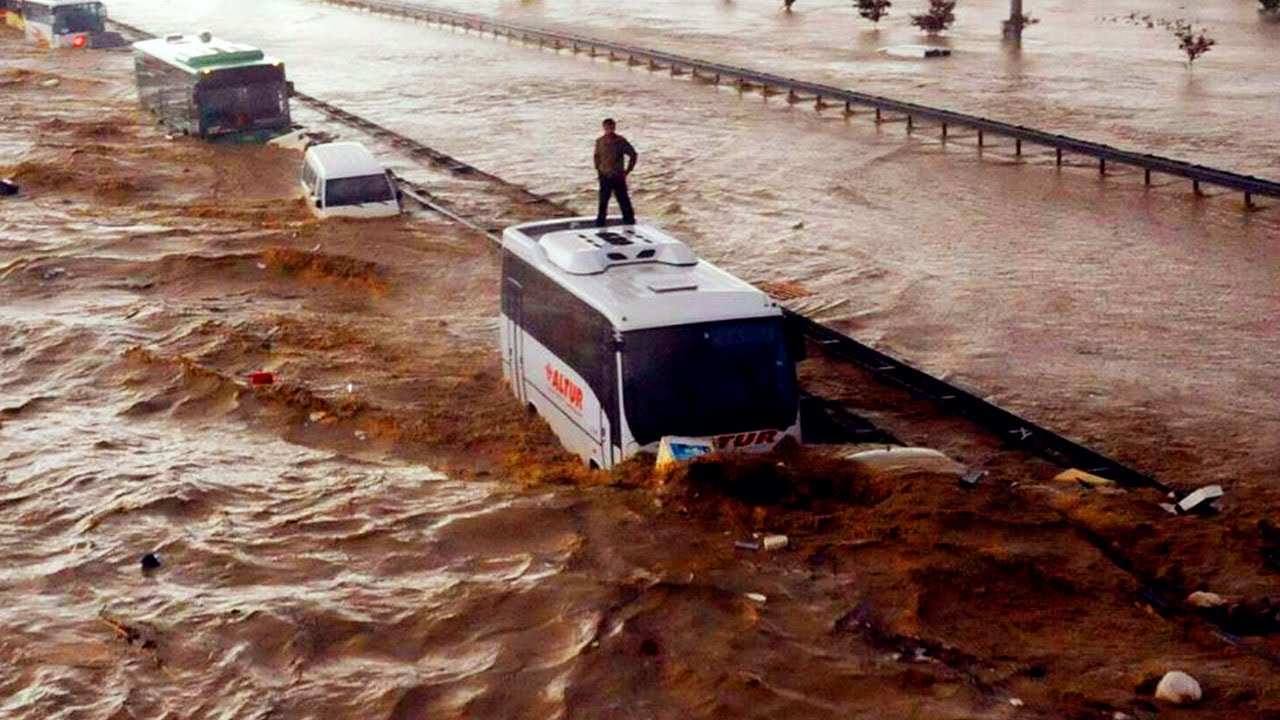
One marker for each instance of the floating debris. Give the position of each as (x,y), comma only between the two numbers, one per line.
(261,378)
(1085,479)
(972,478)
(1202,599)
(673,450)
(1201,500)
(773,542)
(919,52)
(1178,688)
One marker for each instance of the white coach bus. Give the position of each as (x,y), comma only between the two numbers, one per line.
(63,24)
(619,336)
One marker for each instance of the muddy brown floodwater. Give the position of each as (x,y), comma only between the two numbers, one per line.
(383,533)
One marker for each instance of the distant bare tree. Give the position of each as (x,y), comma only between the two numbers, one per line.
(938,17)
(787,4)
(873,10)
(1271,6)
(1192,43)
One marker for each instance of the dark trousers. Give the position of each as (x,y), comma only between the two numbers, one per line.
(615,185)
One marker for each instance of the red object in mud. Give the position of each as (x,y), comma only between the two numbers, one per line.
(261,378)
(77,41)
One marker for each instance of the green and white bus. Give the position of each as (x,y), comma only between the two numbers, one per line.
(210,88)
(62,24)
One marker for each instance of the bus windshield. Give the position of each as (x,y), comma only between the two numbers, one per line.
(708,379)
(243,99)
(79,18)
(357,190)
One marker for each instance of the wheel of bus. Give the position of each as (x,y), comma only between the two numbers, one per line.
(593,465)
(533,410)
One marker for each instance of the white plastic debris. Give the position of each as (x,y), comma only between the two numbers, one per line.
(773,542)
(1016,702)
(1198,498)
(756,597)
(1178,688)
(1202,599)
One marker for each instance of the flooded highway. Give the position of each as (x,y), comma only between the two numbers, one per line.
(1034,286)
(384,533)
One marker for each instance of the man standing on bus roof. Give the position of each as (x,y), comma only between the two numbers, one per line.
(611,148)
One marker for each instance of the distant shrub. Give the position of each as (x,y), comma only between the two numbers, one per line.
(873,10)
(1192,43)
(938,17)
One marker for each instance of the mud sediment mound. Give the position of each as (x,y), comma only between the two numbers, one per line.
(792,477)
(322,267)
(88,170)
(111,128)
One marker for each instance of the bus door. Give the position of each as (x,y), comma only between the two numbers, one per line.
(513,334)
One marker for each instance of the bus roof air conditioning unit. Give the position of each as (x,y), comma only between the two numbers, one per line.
(595,251)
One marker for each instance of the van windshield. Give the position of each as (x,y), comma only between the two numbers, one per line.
(84,17)
(357,190)
(708,379)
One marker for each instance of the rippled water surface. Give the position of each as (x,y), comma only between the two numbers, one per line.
(309,574)
(1061,293)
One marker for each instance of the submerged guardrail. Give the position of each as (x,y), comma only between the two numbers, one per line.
(827,95)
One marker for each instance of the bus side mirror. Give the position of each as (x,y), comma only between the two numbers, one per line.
(795,339)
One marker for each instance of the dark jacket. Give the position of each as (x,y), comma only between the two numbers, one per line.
(610,151)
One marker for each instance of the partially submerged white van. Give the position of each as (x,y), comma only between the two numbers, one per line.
(344,180)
